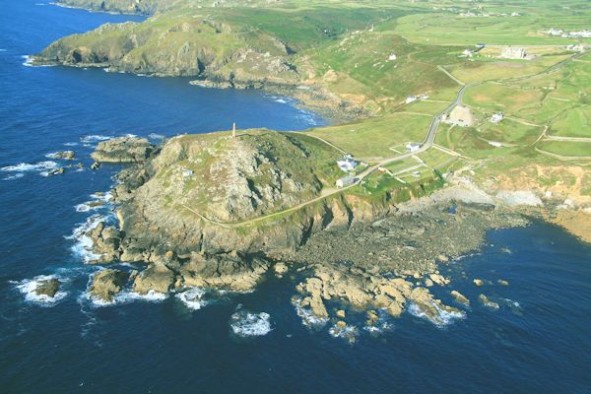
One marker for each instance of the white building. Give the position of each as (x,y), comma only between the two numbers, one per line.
(496,118)
(346,181)
(413,147)
(347,163)
(392,57)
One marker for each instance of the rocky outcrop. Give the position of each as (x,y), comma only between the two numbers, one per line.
(363,290)
(229,272)
(106,241)
(211,194)
(156,278)
(48,287)
(460,298)
(123,150)
(106,284)
(63,155)
(485,301)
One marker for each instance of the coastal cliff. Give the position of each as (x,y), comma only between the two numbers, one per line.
(218,193)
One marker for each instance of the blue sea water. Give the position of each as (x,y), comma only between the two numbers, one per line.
(537,341)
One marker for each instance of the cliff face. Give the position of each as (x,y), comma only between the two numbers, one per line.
(174,45)
(144,7)
(218,194)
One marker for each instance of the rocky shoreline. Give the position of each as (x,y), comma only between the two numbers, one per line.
(385,258)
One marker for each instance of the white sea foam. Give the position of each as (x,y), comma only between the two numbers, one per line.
(442,318)
(308,318)
(28,62)
(248,324)
(40,167)
(103,198)
(12,177)
(155,136)
(380,327)
(71,144)
(124,297)
(28,288)
(90,139)
(193,298)
(350,333)
(83,246)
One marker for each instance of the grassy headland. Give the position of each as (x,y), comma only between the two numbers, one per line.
(394,68)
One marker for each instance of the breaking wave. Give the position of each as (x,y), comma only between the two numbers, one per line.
(82,247)
(193,298)
(308,318)
(42,167)
(247,324)
(348,332)
(28,287)
(441,319)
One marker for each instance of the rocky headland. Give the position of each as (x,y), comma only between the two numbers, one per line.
(214,211)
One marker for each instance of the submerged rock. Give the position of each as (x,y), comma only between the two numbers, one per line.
(123,150)
(484,300)
(107,284)
(460,298)
(48,287)
(56,171)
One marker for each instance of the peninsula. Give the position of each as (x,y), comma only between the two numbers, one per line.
(444,126)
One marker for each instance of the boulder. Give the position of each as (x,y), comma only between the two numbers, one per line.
(157,278)
(484,300)
(280,269)
(460,298)
(107,284)
(48,287)
(63,155)
(224,272)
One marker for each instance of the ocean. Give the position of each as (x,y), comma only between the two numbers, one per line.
(536,341)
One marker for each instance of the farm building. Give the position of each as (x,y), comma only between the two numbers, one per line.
(496,118)
(347,163)
(413,146)
(346,181)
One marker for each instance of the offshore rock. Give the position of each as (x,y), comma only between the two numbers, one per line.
(48,287)
(460,298)
(156,278)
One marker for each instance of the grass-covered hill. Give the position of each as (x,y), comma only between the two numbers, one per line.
(395,67)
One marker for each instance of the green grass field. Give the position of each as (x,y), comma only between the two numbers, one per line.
(369,56)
